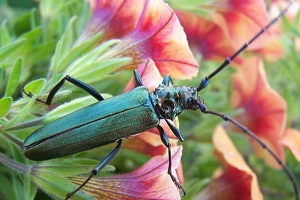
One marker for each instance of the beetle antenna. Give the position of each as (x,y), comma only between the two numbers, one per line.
(253,136)
(228,60)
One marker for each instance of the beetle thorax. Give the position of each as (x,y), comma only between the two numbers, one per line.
(169,100)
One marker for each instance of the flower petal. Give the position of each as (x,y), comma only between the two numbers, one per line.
(272,51)
(240,20)
(154,32)
(237,181)
(292,141)
(264,109)
(114,17)
(149,74)
(150,181)
(205,36)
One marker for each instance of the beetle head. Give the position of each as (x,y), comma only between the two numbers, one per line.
(169,100)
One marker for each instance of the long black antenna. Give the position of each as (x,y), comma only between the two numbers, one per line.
(262,144)
(228,60)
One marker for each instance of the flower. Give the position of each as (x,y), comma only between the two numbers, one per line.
(291,140)
(264,110)
(237,181)
(149,30)
(150,181)
(231,25)
(205,36)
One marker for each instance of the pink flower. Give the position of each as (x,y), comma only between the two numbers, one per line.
(237,181)
(149,30)
(264,110)
(291,140)
(150,181)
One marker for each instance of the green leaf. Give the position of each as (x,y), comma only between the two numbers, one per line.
(32,35)
(40,52)
(55,60)
(68,37)
(35,87)
(14,78)
(21,114)
(4,34)
(49,9)
(79,165)
(11,48)
(54,184)
(90,56)
(96,71)
(5,104)
(1,77)
(28,188)
(78,50)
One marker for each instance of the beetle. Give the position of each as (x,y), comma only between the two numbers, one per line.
(144,109)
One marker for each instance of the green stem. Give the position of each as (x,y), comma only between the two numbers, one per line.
(14,165)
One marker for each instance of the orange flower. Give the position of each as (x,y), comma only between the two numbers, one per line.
(149,30)
(264,111)
(292,141)
(240,20)
(237,181)
(150,181)
(230,25)
(205,36)
(272,50)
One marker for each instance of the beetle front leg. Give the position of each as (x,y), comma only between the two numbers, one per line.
(167,80)
(137,78)
(165,140)
(100,166)
(176,131)
(76,82)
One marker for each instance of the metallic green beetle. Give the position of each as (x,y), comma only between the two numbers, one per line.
(98,121)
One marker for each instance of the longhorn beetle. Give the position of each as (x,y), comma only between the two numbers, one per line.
(144,109)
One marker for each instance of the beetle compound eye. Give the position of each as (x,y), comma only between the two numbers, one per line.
(177,97)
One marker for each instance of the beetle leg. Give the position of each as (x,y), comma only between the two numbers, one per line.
(165,140)
(167,80)
(137,78)
(76,82)
(176,131)
(100,166)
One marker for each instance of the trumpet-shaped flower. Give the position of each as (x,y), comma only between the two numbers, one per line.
(264,110)
(237,181)
(148,30)
(150,181)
